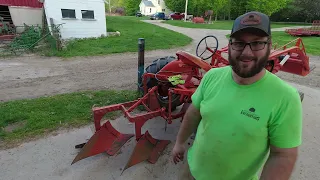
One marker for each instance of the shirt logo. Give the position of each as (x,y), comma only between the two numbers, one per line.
(251,113)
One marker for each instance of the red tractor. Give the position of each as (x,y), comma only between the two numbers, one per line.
(167,84)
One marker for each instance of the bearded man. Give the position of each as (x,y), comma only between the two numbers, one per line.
(247,120)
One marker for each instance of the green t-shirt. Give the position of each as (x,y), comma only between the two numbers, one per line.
(238,123)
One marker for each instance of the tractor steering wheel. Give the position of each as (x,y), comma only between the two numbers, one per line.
(211,49)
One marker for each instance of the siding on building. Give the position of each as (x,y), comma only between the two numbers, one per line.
(77,27)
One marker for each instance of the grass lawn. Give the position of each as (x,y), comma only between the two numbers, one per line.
(25,119)
(131,29)
(311,44)
(224,25)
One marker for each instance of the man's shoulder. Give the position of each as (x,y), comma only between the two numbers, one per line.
(216,76)
(281,88)
(218,72)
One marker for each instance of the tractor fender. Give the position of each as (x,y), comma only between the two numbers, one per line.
(192,60)
(158,64)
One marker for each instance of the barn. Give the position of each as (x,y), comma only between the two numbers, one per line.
(20,12)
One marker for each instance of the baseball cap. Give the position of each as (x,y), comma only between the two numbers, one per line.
(252,21)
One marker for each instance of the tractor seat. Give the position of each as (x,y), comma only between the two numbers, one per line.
(192,60)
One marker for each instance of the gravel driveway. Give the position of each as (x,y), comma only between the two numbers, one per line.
(50,158)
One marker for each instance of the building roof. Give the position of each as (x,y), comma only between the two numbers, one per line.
(25,3)
(148,3)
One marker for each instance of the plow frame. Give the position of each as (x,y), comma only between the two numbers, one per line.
(139,119)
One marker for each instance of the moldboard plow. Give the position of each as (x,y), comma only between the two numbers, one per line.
(168,83)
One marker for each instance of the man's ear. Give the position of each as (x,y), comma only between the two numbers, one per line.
(270,43)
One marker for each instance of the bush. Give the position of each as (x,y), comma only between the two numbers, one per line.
(28,39)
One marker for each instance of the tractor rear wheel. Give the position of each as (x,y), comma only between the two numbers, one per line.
(162,95)
(155,67)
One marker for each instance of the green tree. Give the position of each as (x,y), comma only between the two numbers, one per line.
(238,7)
(309,8)
(267,6)
(197,7)
(227,10)
(215,5)
(131,6)
(113,4)
(299,11)
(177,5)
(218,6)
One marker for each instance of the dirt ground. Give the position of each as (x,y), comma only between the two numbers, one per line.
(33,76)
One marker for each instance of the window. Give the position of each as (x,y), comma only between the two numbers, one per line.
(159,2)
(150,10)
(68,13)
(163,10)
(87,14)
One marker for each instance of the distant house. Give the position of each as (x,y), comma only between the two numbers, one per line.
(20,12)
(148,7)
(78,18)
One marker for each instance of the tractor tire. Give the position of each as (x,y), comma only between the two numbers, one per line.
(164,101)
(154,68)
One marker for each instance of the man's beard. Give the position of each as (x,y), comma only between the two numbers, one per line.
(243,70)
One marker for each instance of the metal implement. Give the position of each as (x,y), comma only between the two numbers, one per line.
(314,30)
(106,139)
(167,87)
(147,148)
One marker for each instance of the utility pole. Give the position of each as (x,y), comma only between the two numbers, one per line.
(186,11)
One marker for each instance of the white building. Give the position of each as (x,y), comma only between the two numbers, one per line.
(149,7)
(79,18)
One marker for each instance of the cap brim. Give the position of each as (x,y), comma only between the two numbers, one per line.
(254,30)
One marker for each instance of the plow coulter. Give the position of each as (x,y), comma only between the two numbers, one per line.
(167,84)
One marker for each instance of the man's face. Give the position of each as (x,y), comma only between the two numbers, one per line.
(247,63)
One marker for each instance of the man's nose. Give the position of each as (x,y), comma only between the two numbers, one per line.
(247,51)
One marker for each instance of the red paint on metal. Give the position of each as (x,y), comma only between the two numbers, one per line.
(158,149)
(298,63)
(188,66)
(25,3)
(147,148)
(198,20)
(7,37)
(106,139)
(314,30)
